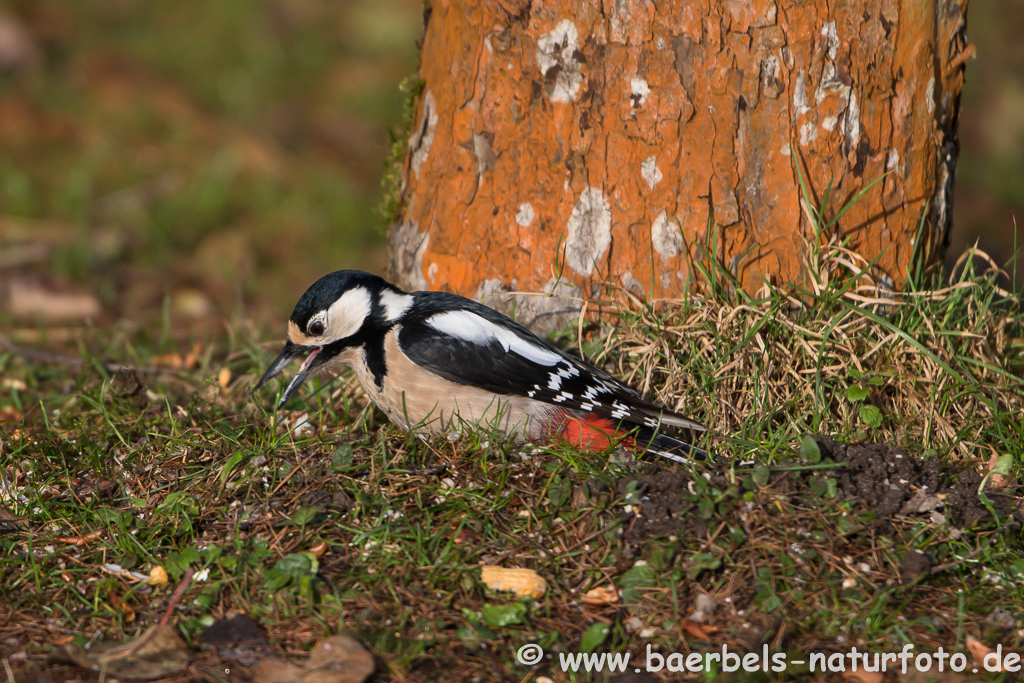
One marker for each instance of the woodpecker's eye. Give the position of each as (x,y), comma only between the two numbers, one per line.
(316,328)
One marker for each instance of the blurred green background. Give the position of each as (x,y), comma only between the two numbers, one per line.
(208,160)
(213,156)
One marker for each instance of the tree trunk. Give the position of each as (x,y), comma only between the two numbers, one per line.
(559,144)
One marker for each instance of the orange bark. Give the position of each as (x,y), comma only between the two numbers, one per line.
(561,143)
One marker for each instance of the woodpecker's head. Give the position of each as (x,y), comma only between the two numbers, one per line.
(336,313)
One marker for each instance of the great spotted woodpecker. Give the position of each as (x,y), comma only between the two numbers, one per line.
(431,359)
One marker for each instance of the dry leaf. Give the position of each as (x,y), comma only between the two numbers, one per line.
(337,659)
(524,582)
(167,360)
(9,520)
(162,654)
(920,502)
(191,303)
(862,676)
(10,415)
(36,300)
(13,383)
(996,478)
(127,613)
(276,671)
(603,595)
(695,629)
(192,357)
(319,549)
(979,651)
(977,648)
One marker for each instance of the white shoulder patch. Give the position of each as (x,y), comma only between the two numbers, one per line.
(346,315)
(471,327)
(394,304)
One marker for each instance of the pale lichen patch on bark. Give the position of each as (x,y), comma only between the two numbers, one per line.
(829,32)
(525,214)
(408,245)
(631,284)
(852,124)
(650,172)
(542,314)
(771,71)
(589,231)
(800,93)
(484,153)
(558,49)
(892,161)
(666,237)
(638,91)
(423,136)
(808,133)
(489,288)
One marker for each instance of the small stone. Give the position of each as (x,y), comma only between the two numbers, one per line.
(706,604)
(633,624)
(1001,618)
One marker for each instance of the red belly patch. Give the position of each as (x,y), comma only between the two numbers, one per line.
(591,432)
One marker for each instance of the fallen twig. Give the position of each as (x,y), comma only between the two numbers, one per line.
(178,592)
(60,359)
(938,569)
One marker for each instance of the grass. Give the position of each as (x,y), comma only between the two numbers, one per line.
(323,518)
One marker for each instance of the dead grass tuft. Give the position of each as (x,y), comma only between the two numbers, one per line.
(942,367)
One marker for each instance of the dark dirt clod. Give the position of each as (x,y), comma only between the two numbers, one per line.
(237,630)
(914,564)
(665,511)
(888,481)
(238,639)
(885,480)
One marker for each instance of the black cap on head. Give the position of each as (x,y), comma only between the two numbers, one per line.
(328,289)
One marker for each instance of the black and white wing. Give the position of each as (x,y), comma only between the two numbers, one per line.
(469,343)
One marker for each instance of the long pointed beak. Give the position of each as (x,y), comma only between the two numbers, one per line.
(290,352)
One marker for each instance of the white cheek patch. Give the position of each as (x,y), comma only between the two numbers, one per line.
(346,315)
(471,327)
(395,304)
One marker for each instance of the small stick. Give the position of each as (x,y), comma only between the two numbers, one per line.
(966,558)
(178,592)
(61,359)
(974,553)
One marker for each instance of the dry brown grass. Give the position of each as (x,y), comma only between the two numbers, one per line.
(945,361)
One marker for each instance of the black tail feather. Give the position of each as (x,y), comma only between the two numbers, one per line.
(658,443)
